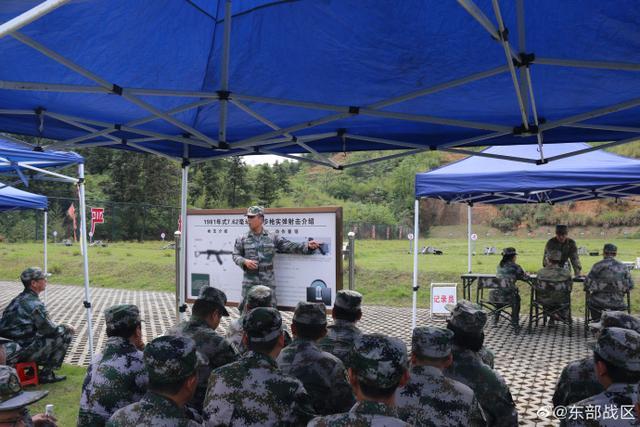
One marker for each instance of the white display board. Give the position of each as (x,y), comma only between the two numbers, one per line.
(211,235)
(441,295)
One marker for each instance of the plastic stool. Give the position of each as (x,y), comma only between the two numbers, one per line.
(27,373)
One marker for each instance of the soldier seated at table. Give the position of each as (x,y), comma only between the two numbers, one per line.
(510,270)
(607,283)
(341,336)
(557,289)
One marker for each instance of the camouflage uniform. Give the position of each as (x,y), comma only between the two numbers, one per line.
(117,377)
(322,374)
(262,248)
(11,350)
(378,361)
(26,321)
(170,359)
(621,348)
(607,282)
(253,391)
(343,333)
(490,388)
(556,281)
(430,398)
(213,348)
(13,398)
(568,249)
(512,271)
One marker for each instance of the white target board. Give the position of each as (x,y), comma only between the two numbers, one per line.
(211,236)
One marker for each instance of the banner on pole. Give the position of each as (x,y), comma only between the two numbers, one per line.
(97,217)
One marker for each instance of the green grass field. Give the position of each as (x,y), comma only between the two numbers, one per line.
(65,396)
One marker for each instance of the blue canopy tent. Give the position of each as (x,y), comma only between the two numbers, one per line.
(14,199)
(591,175)
(202,79)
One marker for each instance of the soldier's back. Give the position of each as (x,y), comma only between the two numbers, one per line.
(613,407)
(340,338)
(362,414)
(17,321)
(577,381)
(151,410)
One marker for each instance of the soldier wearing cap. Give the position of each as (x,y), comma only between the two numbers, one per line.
(607,283)
(207,310)
(26,321)
(467,323)
(116,377)
(617,365)
(14,402)
(254,391)
(430,398)
(172,366)
(567,248)
(578,379)
(378,365)
(255,250)
(509,269)
(558,283)
(9,350)
(344,332)
(322,374)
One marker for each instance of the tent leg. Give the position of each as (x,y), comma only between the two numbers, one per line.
(415,263)
(183,239)
(85,255)
(469,237)
(44,235)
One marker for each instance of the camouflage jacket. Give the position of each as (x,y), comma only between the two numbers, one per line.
(115,379)
(553,284)
(362,414)
(489,387)
(607,281)
(431,399)
(569,252)
(152,410)
(262,248)
(215,349)
(26,316)
(486,356)
(511,270)
(254,392)
(234,334)
(577,382)
(322,374)
(612,407)
(340,338)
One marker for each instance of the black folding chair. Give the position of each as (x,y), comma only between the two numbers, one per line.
(550,300)
(601,296)
(505,303)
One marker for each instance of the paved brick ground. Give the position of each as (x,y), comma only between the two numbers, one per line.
(530,363)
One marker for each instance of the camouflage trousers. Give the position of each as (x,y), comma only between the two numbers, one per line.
(506,297)
(47,352)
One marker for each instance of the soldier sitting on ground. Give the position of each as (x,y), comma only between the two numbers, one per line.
(208,309)
(378,365)
(617,362)
(116,377)
(578,379)
(467,323)
(26,321)
(322,374)
(556,278)
(430,398)
(172,367)
(607,283)
(254,391)
(344,332)
(14,401)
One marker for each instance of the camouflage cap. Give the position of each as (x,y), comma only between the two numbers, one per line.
(215,296)
(562,229)
(467,316)
(610,248)
(428,341)
(617,319)
(11,394)
(32,273)
(169,359)
(121,316)
(554,255)
(310,313)
(255,210)
(259,296)
(348,300)
(262,324)
(509,251)
(620,347)
(378,360)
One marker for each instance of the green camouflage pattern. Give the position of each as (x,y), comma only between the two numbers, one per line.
(432,342)
(214,349)
(490,388)
(262,324)
(467,316)
(486,355)
(214,296)
(620,347)
(255,210)
(255,392)
(116,378)
(577,381)
(553,285)
(348,300)
(310,313)
(617,319)
(619,398)
(569,251)
(508,292)
(362,414)
(378,360)
(340,338)
(9,383)
(607,282)
(259,296)
(169,359)
(610,248)
(32,273)
(121,316)
(322,374)
(430,399)
(26,321)
(555,255)
(152,410)
(234,334)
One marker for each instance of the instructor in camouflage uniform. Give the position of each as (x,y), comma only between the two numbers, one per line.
(254,252)
(567,248)
(26,321)
(343,333)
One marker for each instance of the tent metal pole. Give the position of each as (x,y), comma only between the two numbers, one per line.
(622,66)
(602,127)
(534,110)
(224,72)
(469,208)
(85,255)
(183,237)
(47,172)
(301,159)
(46,258)
(488,155)
(29,16)
(591,114)
(51,87)
(416,231)
(436,120)
(389,157)
(599,147)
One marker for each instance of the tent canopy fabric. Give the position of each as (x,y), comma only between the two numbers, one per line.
(321,76)
(591,175)
(14,199)
(13,154)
